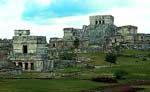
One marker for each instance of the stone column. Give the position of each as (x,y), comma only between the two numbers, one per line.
(29,66)
(17,64)
(23,66)
(52,64)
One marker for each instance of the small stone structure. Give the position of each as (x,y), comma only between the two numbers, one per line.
(101,19)
(10,71)
(29,52)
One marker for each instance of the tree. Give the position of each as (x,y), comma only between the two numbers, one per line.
(111,58)
(76,43)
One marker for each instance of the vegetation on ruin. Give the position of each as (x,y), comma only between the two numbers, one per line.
(68,56)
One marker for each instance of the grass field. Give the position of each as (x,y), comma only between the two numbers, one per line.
(36,85)
(96,58)
(135,52)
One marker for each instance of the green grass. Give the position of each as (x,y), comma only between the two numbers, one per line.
(135,71)
(136,68)
(99,58)
(135,52)
(96,58)
(34,85)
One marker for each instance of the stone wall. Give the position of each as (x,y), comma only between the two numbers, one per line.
(5,49)
(22,32)
(129,33)
(72,33)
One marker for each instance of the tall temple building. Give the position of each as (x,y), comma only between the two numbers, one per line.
(100,29)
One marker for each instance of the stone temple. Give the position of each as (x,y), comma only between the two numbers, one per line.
(29,52)
(103,33)
(100,30)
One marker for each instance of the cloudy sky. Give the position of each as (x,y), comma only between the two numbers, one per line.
(49,17)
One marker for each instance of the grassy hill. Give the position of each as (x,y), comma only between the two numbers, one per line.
(127,57)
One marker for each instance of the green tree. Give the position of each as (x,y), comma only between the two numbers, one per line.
(111,58)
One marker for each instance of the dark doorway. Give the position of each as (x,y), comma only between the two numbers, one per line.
(32,66)
(25,49)
(115,40)
(103,22)
(14,63)
(96,22)
(53,45)
(20,64)
(100,22)
(26,66)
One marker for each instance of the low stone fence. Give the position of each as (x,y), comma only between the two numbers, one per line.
(10,71)
(64,63)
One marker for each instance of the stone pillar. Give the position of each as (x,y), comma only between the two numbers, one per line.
(29,66)
(52,64)
(23,66)
(17,64)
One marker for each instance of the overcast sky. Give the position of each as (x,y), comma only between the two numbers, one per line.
(49,17)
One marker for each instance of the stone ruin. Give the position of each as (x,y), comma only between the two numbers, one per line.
(103,33)
(29,52)
(33,53)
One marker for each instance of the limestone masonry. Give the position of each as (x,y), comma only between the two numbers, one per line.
(33,53)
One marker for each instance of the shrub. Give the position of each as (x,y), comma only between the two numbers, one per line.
(119,74)
(144,59)
(68,56)
(111,58)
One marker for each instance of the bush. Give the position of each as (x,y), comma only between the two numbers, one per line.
(68,56)
(144,59)
(119,74)
(111,58)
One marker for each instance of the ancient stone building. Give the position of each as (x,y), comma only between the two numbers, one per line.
(100,30)
(56,43)
(72,33)
(142,41)
(33,53)
(133,39)
(56,46)
(29,52)
(129,33)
